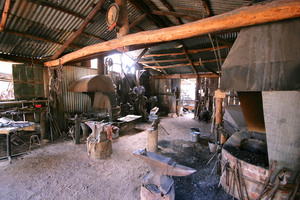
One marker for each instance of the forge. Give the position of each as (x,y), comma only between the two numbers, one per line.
(265,65)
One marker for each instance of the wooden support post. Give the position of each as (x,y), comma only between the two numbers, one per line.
(152,140)
(101,68)
(178,99)
(242,17)
(219,95)
(4,15)
(196,113)
(207,7)
(124,29)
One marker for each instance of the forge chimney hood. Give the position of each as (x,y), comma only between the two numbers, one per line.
(263,66)
(93,83)
(264,58)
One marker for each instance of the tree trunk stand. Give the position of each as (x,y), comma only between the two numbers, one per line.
(101,150)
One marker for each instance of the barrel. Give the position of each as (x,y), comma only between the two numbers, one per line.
(195,134)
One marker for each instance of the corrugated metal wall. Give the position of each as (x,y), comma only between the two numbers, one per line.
(73,102)
(166,91)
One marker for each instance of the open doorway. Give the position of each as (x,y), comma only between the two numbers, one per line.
(188,96)
(6,81)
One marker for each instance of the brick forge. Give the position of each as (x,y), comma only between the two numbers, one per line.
(254,177)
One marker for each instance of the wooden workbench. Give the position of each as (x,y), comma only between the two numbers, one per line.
(8,130)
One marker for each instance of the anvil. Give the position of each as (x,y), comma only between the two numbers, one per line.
(162,167)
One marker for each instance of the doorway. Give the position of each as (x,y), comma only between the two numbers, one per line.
(188,103)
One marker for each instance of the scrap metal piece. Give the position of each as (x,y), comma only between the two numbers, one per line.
(281,179)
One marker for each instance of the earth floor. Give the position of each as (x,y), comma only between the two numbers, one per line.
(63,170)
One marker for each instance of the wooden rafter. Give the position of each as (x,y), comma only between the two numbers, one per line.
(93,36)
(4,15)
(80,30)
(162,61)
(193,51)
(181,76)
(189,59)
(184,64)
(207,7)
(190,51)
(141,6)
(38,38)
(50,5)
(177,14)
(154,7)
(137,20)
(242,17)
(166,67)
(13,58)
(170,8)
(224,42)
(208,61)
(210,70)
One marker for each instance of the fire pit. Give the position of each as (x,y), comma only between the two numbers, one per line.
(247,151)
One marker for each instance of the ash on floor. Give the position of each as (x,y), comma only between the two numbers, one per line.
(201,185)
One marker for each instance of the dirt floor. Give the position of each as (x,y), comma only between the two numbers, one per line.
(63,170)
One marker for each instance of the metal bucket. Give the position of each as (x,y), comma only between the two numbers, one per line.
(195,134)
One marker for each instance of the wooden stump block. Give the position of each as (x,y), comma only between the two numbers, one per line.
(155,194)
(101,150)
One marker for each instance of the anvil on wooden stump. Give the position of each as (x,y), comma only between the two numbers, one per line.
(99,143)
(158,183)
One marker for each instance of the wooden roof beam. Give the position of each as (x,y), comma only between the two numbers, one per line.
(4,15)
(93,36)
(186,64)
(13,58)
(162,61)
(141,6)
(170,8)
(137,20)
(181,76)
(177,14)
(246,16)
(190,51)
(80,30)
(50,5)
(38,38)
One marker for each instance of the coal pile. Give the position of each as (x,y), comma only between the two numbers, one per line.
(254,158)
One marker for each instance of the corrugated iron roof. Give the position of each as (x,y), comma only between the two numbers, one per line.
(29,20)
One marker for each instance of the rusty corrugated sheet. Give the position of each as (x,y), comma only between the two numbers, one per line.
(74,101)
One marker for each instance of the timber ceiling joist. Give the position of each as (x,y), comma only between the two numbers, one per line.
(43,29)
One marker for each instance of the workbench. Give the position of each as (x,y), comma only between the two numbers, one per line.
(9,130)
